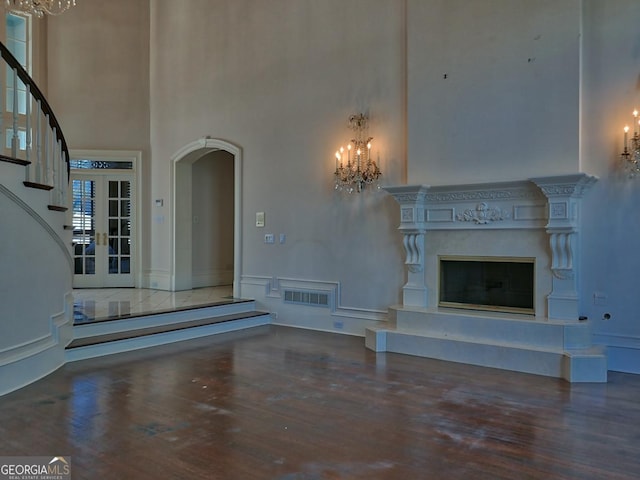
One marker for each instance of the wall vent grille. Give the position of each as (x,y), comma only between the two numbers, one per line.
(307,297)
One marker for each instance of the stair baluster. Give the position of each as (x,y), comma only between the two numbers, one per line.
(50,154)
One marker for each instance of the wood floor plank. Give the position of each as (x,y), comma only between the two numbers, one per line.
(290,404)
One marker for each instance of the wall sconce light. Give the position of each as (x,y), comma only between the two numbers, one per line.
(355,169)
(631,154)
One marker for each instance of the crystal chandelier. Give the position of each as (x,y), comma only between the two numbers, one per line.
(631,154)
(355,169)
(39,8)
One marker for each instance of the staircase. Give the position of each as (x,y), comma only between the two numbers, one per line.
(35,260)
(149,330)
(541,346)
(37,337)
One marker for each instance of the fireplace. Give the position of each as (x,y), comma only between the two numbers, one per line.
(504,248)
(498,284)
(536,219)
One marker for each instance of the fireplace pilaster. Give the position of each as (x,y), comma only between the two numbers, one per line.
(412,225)
(564,194)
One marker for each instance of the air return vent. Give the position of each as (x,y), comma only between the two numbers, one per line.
(307,297)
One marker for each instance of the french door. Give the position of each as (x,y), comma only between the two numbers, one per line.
(103,229)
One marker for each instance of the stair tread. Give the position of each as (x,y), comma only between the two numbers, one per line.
(17,161)
(171,327)
(172,310)
(38,186)
(57,208)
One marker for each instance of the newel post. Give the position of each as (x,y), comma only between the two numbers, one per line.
(412,225)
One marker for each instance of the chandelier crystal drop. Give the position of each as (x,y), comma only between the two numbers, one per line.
(630,155)
(39,8)
(355,169)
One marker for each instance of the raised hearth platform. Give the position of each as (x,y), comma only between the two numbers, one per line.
(553,348)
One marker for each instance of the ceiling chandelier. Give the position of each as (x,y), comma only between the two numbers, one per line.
(631,154)
(355,169)
(39,8)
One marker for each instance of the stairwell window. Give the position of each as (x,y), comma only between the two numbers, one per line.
(17,37)
(21,138)
(18,40)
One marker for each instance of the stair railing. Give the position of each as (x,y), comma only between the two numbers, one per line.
(30,133)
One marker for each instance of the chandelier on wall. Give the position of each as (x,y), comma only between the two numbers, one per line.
(355,169)
(631,154)
(39,8)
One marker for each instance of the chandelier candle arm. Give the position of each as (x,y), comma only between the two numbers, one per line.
(39,8)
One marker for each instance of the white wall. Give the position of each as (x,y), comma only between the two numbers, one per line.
(279,79)
(493,90)
(611,90)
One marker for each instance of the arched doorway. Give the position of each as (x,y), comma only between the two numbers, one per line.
(184,223)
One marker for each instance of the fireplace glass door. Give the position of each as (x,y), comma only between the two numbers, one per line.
(501,284)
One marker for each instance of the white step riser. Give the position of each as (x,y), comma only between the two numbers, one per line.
(137,343)
(558,364)
(153,320)
(540,334)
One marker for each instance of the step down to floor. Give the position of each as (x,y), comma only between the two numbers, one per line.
(550,348)
(151,331)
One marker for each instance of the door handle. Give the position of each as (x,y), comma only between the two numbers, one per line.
(97,238)
(104,238)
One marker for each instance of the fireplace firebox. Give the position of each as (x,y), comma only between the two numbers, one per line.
(499,284)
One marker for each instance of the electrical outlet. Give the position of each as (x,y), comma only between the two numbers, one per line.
(269,238)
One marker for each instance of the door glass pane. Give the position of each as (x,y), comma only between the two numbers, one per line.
(125,248)
(113,245)
(119,216)
(76,163)
(83,237)
(90,266)
(125,265)
(125,228)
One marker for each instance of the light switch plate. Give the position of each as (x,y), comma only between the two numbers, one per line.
(259,219)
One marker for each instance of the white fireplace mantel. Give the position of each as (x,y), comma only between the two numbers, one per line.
(551,204)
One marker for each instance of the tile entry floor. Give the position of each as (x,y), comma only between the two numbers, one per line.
(101,304)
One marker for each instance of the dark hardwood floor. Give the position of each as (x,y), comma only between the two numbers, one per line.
(280,403)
